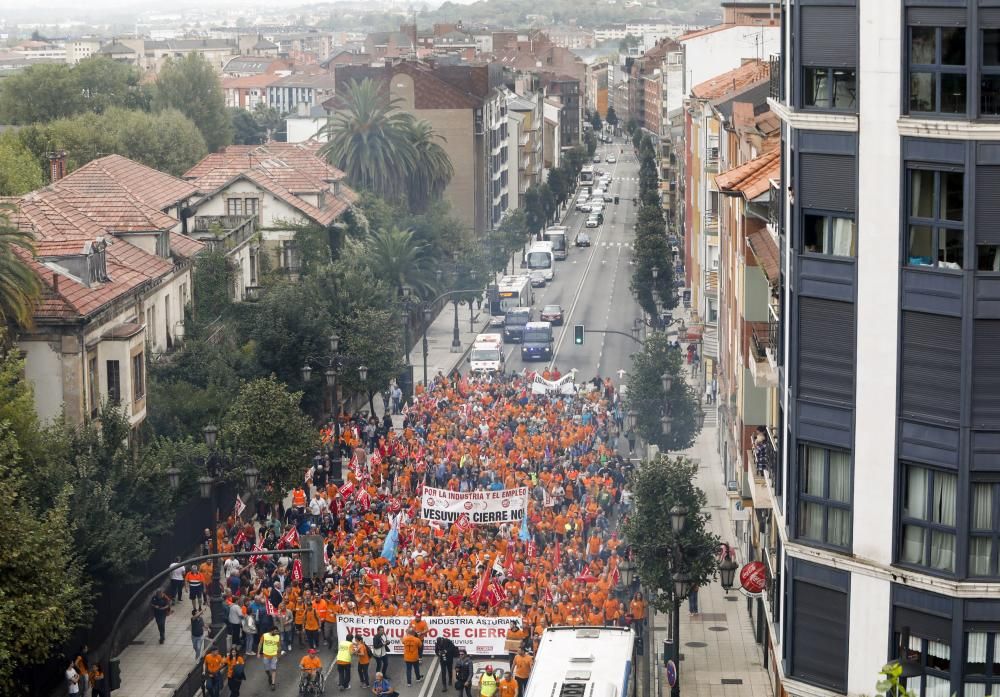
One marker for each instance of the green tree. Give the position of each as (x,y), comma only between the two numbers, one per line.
(191,86)
(19,286)
(647,397)
(611,117)
(397,258)
(266,426)
(560,184)
(19,170)
(104,83)
(595,121)
(39,93)
(662,555)
(44,589)
(17,402)
(246,130)
(368,138)
(548,201)
(534,208)
(432,168)
(590,141)
(629,42)
(371,337)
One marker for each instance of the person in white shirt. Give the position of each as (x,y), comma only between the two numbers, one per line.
(177,581)
(72,680)
(231,565)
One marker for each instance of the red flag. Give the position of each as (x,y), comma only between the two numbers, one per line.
(376,459)
(296,570)
(455,600)
(586,576)
(454,545)
(508,567)
(382,582)
(557,557)
(532,549)
(240,538)
(615,575)
(480,589)
(395,505)
(463,523)
(364,500)
(548,596)
(289,540)
(257,548)
(347,490)
(240,506)
(495,593)
(270,607)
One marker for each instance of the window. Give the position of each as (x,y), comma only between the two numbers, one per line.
(114,382)
(819,598)
(138,377)
(935,659)
(234,206)
(151,324)
(828,234)
(989,78)
(928,518)
(251,205)
(825,496)
(981,673)
(936,227)
(830,88)
(93,392)
(937,70)
(984,530)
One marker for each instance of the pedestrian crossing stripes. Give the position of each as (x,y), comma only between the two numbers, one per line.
(626,245)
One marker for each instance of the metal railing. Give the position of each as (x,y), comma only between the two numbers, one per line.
(774,206)
(225,232)
(761,339)
(765,455)
(775,83)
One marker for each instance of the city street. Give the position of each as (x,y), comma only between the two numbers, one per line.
(592,284)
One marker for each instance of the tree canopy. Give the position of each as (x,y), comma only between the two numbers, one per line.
(20,171)
(648,399)
(19,286)
(191,86)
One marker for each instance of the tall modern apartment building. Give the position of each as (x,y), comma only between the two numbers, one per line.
(885,492)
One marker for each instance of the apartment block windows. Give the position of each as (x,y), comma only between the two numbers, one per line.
(830,88)
(989,78)
(138,377)
(938,75)
(825,496)
(981,672)
(829,54)
(928,518)
(114,382)
(828,234)
(936,219)
(935,659)
(984,530)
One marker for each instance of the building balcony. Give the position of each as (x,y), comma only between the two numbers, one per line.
(763,370)
(712,223)
(775,82)
(712,284)
(763,461)
(227,233)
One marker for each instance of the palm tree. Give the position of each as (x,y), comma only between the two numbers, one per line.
(432,169)
(368,139)
(19,286)
(398,258)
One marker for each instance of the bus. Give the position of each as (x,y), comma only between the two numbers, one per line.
(512,291)
(556,234)
(541,257)
(587,175)
(487,354)
(584,662)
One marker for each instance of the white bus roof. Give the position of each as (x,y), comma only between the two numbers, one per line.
(488,340)
(544,246)
(513,283)
(583,662)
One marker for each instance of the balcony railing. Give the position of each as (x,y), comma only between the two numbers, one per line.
(774,205)
(225,232)
(775,81)
(712,222)
(765,454)
(760,340)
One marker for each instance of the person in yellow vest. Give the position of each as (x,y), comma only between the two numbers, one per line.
(344,662)
(270,647)
(488,683)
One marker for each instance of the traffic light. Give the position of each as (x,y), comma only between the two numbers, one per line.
(578,334)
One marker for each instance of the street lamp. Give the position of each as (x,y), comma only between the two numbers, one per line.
(727,571)
(251,474)
(667,381)
(211,432)
(363,373)
(173,478)
(665,425)
(678,517)
(655,271)
(682,586)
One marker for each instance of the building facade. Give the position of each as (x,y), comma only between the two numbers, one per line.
(885,492)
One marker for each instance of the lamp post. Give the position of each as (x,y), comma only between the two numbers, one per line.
(681,589)
(727,568)
(428,316)
(406,323)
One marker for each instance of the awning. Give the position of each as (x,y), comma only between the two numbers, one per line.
(766,252)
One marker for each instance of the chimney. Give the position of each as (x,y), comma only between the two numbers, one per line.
(57,165)
(55,283)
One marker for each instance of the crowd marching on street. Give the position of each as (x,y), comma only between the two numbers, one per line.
(558,566)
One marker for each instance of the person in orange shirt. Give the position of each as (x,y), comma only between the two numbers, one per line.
(637,610)
(508,685)
(311,666)
(412,646)
(196,586)
(522,670)
(419,626)
(212,671)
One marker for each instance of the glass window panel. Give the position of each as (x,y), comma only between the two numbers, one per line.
(811,521)
(988,257)
(840,476)
(989,95)
(922,193)
(953,92)
(937,687)
(991,47)
(921,246)
(953,46)
(923,96)
(817,88)
(815,472)
(838,527)
(842,237)
(942,551)
(915,486)
(938,656)
(845,88)
(975,654)
(952,195)
(945,496)
(979,556)
(950,246)
(813,233)
(913,544)
(974,689)
(982,506)
(996,658)
(922,45)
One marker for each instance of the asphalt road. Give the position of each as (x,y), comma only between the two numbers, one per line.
(592,285)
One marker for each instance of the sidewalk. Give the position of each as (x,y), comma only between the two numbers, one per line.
(718,643)
(150,669)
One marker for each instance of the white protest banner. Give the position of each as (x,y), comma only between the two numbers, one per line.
(482,507)
(564,385)
(479,636)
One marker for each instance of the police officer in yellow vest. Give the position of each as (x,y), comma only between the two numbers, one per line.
(270,646)
(488,683)
(344,661)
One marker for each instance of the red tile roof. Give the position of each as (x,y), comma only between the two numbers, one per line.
(766,252)
(732,82)
(110,174)
(184,246)
(752,178)
(284,169)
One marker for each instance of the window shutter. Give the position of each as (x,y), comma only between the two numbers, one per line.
(987,204)
(936,16)
(829,36)
(986,375)
(827,182)
(989,17)
(931,366)
(820,656)
(826,350)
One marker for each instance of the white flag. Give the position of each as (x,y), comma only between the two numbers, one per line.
(240,506)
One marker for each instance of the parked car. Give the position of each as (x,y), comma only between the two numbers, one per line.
(582,239)
(592,221)
(553,314)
